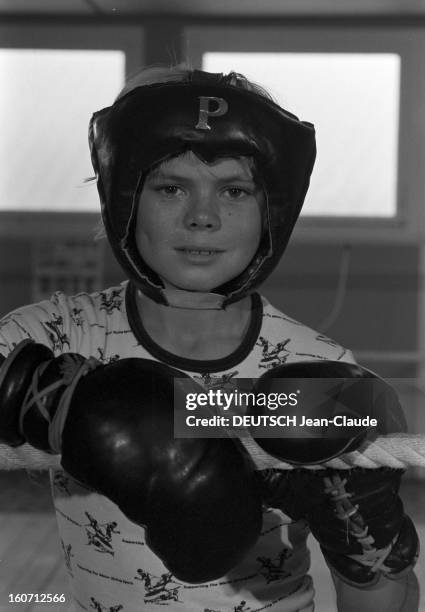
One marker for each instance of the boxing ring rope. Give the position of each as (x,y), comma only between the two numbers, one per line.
(395,451)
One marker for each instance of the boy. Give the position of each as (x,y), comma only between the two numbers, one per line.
(201,179)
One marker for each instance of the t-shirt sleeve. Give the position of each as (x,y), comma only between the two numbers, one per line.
(49,322)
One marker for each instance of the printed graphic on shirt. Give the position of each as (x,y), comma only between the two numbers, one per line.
(272,355)
(221,381)
(100,535)
(98,607)
(77,316)
(159,590)
(58,339)
(101,356)
(68,555)
(111,300)
(273,569)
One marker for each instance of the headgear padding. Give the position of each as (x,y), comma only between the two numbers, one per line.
(214,119)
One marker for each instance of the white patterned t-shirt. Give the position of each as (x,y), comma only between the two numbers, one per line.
(110,566)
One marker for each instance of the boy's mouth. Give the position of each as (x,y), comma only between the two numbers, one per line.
(197,254)
(199,251)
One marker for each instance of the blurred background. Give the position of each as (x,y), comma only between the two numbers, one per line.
(355,267)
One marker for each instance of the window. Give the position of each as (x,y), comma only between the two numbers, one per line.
(48,97)
(360,87)
(51,81)
(341,94)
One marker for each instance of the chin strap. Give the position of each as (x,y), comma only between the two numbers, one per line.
(193,300)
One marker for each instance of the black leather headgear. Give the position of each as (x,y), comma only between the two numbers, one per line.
(213,118)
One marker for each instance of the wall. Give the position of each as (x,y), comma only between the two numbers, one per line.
(379,312)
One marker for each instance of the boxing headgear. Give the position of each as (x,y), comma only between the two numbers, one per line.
(213,118)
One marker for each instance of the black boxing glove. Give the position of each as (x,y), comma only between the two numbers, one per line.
(16,373)
(356,514)
(197,498)
(332,408)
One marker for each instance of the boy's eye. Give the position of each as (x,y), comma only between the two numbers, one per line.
(237,193)
(169,190)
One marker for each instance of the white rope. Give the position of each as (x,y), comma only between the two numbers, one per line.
(396,451)
(26,457)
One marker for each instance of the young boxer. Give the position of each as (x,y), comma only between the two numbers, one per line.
(201,179)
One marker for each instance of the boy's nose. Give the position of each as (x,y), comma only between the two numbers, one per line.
(202,215)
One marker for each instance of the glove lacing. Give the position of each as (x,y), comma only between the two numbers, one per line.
(71,369)
(355,525)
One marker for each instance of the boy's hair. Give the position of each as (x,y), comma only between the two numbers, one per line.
(164,112)
(181,73)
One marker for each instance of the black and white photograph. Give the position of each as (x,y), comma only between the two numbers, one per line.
(212,305)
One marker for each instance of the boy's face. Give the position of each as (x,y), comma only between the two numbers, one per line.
(199,225)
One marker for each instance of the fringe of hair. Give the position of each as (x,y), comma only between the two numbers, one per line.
(181,73)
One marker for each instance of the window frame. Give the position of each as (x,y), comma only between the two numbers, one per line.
(409,43)
(125,38)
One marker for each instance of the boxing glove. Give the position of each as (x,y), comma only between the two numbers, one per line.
(198,499)
(356,515)
(16,374)
(327,408)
